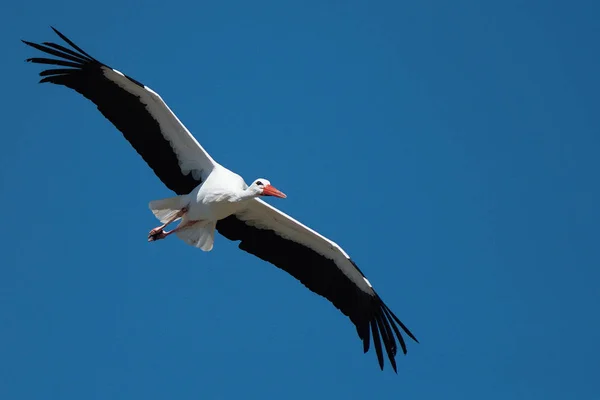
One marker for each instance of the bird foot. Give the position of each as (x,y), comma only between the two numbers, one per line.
(156,234)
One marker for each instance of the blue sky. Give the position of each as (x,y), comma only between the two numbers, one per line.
(452,150)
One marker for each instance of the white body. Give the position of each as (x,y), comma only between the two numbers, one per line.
(218,197)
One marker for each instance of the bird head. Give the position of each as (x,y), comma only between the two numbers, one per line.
(264,188)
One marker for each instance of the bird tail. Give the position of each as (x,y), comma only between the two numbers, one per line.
(165,209)
(200,235)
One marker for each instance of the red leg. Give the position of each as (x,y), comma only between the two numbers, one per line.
(159,233)
(180,227)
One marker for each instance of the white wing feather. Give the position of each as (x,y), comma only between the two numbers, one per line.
(264,216)
(190,154)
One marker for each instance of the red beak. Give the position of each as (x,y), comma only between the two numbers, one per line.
(271,191)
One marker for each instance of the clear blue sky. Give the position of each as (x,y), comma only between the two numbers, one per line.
(452,150)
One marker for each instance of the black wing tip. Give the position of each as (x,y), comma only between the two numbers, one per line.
(76,59)
(30,44)
(51,48)
(77,55)
(382,326)
(397,320)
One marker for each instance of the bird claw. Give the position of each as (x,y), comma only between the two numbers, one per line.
(156,234)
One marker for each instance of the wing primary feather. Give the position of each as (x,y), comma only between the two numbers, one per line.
(73,45)
(388,340)
(385,326)
(398,334)
(53,52)
(51,61)
(56,79)
(57,71)
(409,333)
(366,337)
(69,51)
(377,343)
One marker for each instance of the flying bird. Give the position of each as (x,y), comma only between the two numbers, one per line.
(210,197)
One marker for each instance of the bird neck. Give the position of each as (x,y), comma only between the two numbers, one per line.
(246,194)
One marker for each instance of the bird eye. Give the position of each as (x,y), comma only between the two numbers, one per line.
(259,183)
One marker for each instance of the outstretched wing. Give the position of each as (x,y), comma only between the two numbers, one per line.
(137,111)
(322,266)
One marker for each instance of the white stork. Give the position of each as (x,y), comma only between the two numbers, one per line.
(209,196)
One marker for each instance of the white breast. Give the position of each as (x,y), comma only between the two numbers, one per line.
(217,197)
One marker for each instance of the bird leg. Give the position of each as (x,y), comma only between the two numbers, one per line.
(164,234)
(159,233)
